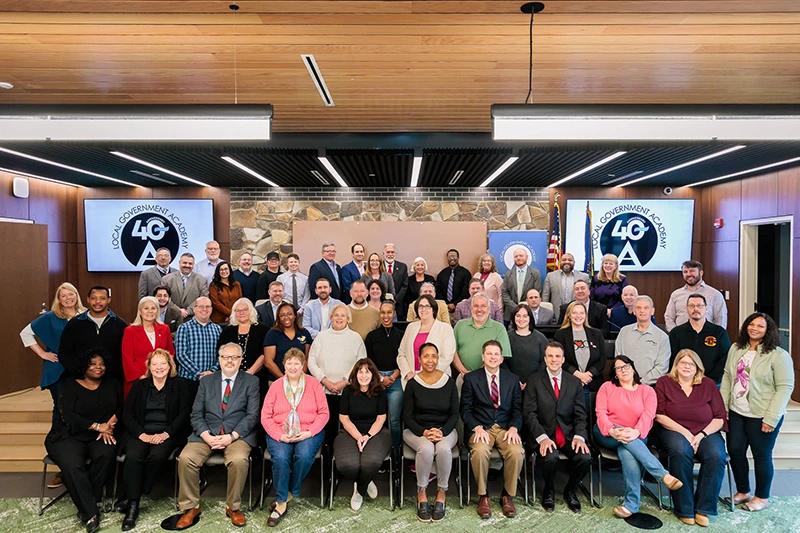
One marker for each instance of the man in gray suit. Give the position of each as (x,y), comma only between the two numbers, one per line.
(186,285)
(151,278)
(224,419)
(518,281)
(316,312)
(558,284)
(541,316)
(399,273)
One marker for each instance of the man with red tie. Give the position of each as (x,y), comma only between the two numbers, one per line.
(491,407)
(555,417)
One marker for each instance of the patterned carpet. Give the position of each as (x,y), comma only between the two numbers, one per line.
(305,515)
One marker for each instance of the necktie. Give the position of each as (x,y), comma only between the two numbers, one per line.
(450,285)
(184,281)
(536,317)
(495,392)
(294,291)
(520,283)
(560,439)
(225,401)
(390,268)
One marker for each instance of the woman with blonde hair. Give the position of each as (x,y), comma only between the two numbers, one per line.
(492,281)
(584,349)
(374,269)
(419,275)
(244,329)
(608,283)
(146,334)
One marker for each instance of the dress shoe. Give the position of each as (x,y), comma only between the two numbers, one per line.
(93,524)
(622,512)
(484,507)
(187,520)
(83,517)
(237,517)
(356,500)
(672,482)
(701,520)
(55,482)
(549,500)
(276,516)
(372,490)
(424,511)
(506,503)
(129,522)
(572,501)
(121,506)
(438,511)
(687,521)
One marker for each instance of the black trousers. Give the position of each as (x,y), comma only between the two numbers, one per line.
(143,463)
(578,466)
(362,467)
(84,482)
(332,427)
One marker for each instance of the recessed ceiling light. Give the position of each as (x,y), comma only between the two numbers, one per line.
(510,161)
(593,166)
(320,177)
(456,177)
(29,175)
(684,165)
(152,177)
(249,170)
(6,85)
(748,171)
(333,172)
(162,169)
(74,169)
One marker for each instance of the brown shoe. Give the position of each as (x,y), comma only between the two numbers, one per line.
(672,482)
(509,511)
(484,507)
(237,517)
(55,482)
(188,518)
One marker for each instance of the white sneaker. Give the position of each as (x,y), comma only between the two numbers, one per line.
(357,499)
(372,491)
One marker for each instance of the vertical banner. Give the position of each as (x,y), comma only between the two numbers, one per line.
(503,243)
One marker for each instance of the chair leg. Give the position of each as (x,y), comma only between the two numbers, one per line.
(116,480)
(333,469)
(600,478)
(532,501)
(175,486)
(391,483)
(322,480)
(44,482)
(460,482)
(730,484)
(250,478)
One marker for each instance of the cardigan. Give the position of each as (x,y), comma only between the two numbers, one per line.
(178,403)
(222,300)
(441,335)
(312,409)
(618,406)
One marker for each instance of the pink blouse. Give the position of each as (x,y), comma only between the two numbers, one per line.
(618,406)
(312,410)
(419,340)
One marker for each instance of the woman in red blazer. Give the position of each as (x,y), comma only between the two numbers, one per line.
(142,337)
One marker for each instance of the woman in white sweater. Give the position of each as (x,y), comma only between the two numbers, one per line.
(427,329)
(333,354)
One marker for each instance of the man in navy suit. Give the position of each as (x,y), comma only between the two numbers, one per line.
(491,407)
(555,416)
(328,269)
(354,269)
(266,311)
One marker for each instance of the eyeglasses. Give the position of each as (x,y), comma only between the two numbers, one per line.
(202,306)
(230,357)
(623,368)
(425,307)
(687,364)
(695,306)
(245,310)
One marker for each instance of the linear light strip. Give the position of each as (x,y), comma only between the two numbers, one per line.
(415,170)
(327,164)
(319,81)
(510,161)
(764,167)
(74,169)
(684,165)
(589,168)
(249,170)
(162,169)
(29,175)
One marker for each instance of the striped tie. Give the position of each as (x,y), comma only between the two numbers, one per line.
(495,392)
(450,285)
(225,401)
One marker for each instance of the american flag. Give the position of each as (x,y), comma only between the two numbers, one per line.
(554,249)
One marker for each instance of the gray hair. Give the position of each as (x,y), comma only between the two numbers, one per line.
(252,313)
(480,295)
(147,299)
(233,345)
(644,298)
(326,245)
(428,284)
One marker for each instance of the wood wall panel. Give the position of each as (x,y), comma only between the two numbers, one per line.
(760,197)
(722,201)
(10,206)
(789,197)
(55,205)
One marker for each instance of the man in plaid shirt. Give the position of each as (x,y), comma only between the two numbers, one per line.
(196,345)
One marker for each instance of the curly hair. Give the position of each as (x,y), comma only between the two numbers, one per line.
(772,338)
(84,360)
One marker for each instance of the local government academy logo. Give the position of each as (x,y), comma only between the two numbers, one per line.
(145,233)
(632,237)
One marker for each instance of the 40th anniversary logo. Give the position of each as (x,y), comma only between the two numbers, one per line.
(143,229)
(632,232)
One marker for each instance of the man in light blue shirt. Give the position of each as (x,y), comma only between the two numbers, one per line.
(206,267)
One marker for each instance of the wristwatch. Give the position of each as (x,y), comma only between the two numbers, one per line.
(704,433)
(382,379)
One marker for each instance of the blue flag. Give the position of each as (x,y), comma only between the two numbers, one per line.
(588,249)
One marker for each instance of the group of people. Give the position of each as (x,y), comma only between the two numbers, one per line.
(206,359)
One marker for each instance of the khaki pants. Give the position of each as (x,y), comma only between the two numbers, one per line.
(194,456)
(513,460)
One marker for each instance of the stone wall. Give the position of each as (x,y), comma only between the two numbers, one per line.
(261,219)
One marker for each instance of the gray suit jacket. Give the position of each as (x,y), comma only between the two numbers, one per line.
(552,288)
(150,279)
(172,318)
(196,286)
(533,280)
(546,316)
(241,414)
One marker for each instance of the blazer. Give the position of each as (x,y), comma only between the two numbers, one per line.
(597,317)
(150,279)
(461,279)
(414,286)
(136,347)
(241,414)
(350,273)
(477,408)
(542,411)
(387,280)
(265,314)
(551,291)
(533,280)
(320,269)
(441,334)
(597,354)
(172,318)
(196,286)
(178,404)
(312,315)
(442,314)
(400,279)
(493,287)
(546,317)
(223,300)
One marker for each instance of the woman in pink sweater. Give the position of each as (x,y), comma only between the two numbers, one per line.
(625,411)
(294,414)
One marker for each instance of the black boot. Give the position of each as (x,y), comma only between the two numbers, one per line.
(129,522)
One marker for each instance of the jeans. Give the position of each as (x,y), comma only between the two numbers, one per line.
(634,456)
(291,463)
(395,397)
(743,432)
(711,454)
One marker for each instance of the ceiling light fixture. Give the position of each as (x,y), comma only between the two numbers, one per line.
(626,176)
(152,177)
(249,170)
(743,172)
(162,169)
(202,122)
(510,161)
(589,168)
(684,165)
(456,177)
(29,175)
(6,85)
(316,76)
(331,170)
(416,167)
(74,169)
(320,177)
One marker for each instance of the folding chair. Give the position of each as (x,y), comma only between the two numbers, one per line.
(561,457)
(47,460)
(606,453)
(217,458)
(266,482)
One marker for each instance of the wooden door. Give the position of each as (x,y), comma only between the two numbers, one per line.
(25,274)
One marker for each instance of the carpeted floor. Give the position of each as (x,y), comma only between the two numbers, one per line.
(305,515)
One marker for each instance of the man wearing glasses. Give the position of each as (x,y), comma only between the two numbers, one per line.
(224,419)
(708,340)
(196,345)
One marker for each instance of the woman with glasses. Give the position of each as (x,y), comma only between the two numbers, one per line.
(287,333)
(690,415)
(375,270)
(245,331)
(625,409)
(426,330)
(492,281)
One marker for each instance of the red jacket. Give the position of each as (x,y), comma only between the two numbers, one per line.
(136,347)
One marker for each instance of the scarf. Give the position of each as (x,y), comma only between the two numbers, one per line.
(291,426)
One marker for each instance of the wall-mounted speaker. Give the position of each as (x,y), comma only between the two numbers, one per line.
(20,188)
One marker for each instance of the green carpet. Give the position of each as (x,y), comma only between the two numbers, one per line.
(305,515)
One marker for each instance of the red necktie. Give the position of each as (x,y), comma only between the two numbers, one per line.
(495,392)
(225,396)
(560,439)
(390,268)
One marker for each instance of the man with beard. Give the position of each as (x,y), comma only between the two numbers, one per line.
(168,312)
(558,284)
(316,313)
(207,266)
(365,317)
(716,310)
(452,283)
(186,285)
(151,278)
(708,340)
